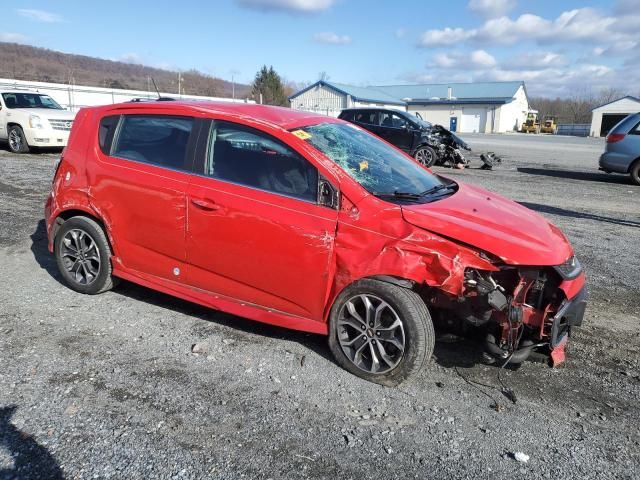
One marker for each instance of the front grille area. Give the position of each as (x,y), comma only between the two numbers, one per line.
(61,124)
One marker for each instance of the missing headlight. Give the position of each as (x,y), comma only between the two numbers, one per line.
(569,269)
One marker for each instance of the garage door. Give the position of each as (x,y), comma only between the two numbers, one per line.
(470,121)
(609,120)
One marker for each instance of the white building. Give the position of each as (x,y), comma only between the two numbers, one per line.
(605,117)
(74,97)
(485,107)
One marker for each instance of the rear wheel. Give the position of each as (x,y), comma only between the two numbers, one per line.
(83,255)
(17,140)
(380,332)
(635,173)
(426,156)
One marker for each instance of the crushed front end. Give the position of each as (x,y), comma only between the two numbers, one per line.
(520,309)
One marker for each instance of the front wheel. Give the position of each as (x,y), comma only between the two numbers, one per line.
(380,332)
(426,156)
(17,140)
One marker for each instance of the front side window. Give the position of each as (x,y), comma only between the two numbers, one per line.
(29,100)
(155,139)
(249,157)
(378,167)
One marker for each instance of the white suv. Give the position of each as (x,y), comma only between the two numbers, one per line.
(32,119)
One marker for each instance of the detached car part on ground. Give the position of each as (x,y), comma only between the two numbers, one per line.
(622,151)
(306,222)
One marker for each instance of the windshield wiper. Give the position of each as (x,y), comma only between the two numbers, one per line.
(400,195)
(436,189)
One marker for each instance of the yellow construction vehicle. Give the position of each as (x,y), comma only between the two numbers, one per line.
(531,124)
(549,124)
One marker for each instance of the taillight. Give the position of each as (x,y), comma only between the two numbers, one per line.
(614,137)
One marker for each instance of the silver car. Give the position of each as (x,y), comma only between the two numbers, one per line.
(622,153)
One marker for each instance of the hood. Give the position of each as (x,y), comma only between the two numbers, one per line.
(49,113)
(494,224)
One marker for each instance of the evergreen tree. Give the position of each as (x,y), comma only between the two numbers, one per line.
(269,84)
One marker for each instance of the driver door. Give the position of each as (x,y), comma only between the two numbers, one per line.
(396,130)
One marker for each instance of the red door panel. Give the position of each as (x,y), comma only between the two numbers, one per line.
(145,207)
(258,247)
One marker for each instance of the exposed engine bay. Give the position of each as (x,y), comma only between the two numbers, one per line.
(519,310)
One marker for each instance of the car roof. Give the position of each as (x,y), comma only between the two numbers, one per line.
(276,116)
(22,91)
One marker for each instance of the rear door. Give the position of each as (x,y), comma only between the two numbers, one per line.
(138,184)
(367,119)
(256,232)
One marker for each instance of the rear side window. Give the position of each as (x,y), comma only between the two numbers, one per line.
(249,157)
(369,117)
(635,130)
(155,139)
(348,116)
(106,131)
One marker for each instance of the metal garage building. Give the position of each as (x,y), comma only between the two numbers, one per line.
(464,107)
(605,117)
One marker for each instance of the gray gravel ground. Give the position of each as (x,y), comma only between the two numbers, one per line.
(107,386)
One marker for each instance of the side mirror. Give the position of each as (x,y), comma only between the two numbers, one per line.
(327,194)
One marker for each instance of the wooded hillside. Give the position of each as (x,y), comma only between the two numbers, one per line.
(24,62)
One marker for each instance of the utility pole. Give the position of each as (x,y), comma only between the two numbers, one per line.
(233,87)
(179,82)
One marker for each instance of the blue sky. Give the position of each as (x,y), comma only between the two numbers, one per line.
(556,47)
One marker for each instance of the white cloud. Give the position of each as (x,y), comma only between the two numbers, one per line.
(39,15)
(291,6)
(491,8)
(535,61)
(461,61)
(13,37)
(332,38)
(582,24)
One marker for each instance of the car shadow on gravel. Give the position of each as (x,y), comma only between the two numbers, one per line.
(30,459)
(573,175)
(41,252)
(538,207)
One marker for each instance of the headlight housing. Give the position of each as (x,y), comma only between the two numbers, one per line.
(569,269)
(35,121)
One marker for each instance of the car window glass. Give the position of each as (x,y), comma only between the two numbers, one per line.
(635,130)
(392,120)
(106,131)
(253,158)
(368,117)
(156,139)
(29,100)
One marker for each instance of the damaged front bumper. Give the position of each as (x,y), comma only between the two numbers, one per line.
(522,309)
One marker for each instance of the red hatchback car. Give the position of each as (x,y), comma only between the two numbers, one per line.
(307,222)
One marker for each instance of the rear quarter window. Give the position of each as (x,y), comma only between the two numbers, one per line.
(106,131)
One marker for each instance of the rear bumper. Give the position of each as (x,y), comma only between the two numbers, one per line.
(615,162)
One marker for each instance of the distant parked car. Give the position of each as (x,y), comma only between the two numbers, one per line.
(403,130)
(32,119)
(622,152)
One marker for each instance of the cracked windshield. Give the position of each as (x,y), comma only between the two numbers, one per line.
(380,169)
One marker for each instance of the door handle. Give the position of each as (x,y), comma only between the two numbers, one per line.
(205,204)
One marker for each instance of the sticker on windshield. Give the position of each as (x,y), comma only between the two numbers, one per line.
(301,134)
(364,165)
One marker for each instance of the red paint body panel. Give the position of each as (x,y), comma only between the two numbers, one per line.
(273,258)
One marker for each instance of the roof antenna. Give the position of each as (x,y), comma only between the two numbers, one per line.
(156,87)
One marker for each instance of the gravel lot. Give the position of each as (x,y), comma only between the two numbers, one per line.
(107,386)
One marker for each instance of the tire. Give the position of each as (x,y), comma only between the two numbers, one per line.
(426,156)
(16,139)
(634,172)
(90,270)
(398,306)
